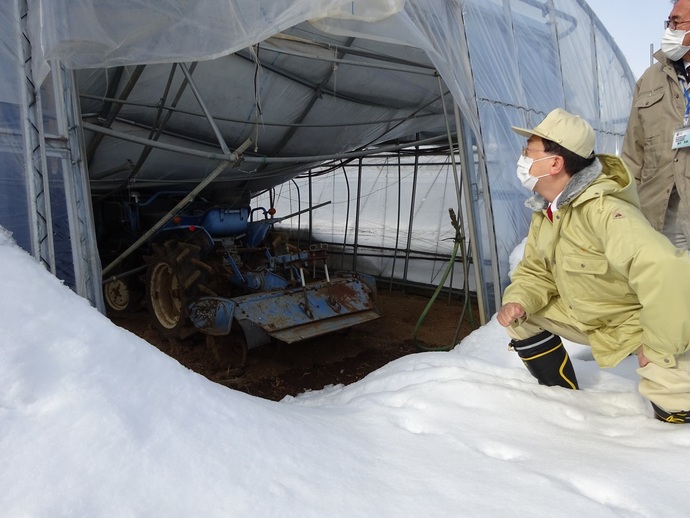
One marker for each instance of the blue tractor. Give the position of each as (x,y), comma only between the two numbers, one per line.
(226,273)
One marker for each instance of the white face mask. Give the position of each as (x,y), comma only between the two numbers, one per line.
(524,164)
(672,44)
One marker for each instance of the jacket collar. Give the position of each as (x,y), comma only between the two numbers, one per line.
(672,68)
(576,186)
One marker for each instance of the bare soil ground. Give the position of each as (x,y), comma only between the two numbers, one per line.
(276,370)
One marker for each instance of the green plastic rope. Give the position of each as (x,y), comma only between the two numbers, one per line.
(458,239)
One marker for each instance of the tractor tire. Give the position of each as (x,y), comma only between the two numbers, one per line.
(123,295)
(174,278)
(124,292)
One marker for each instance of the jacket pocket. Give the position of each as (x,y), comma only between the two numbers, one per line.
(584,277)
(647,99)
(648,105)
(586,265)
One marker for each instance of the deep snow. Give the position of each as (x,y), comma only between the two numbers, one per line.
(96,422)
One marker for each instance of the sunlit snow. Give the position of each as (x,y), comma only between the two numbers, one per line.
(96,422)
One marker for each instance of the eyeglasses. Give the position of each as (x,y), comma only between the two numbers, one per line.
(526,149)
(674,23)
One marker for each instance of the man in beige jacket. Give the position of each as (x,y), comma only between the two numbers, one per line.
(656,148)
(595,272)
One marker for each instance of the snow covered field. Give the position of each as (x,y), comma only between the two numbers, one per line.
(95,422)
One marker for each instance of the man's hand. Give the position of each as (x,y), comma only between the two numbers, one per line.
(642,360)
(509,312)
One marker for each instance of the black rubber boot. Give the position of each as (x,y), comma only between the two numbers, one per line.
(671,417)
(547,360)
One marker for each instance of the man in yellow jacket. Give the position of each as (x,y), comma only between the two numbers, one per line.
(595,272)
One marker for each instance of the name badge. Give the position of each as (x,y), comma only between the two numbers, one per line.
(681,138)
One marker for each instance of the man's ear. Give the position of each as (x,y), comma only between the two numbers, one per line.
(558,165)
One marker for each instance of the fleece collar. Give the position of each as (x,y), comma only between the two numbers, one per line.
(576,186)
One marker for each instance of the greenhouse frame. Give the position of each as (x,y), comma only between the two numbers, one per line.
(389,118)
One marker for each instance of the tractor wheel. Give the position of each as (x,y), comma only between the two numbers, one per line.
(122,295)
(173,280)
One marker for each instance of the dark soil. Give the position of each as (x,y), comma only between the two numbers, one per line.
(276,370)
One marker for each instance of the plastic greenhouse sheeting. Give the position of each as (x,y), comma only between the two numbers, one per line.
(311,80)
